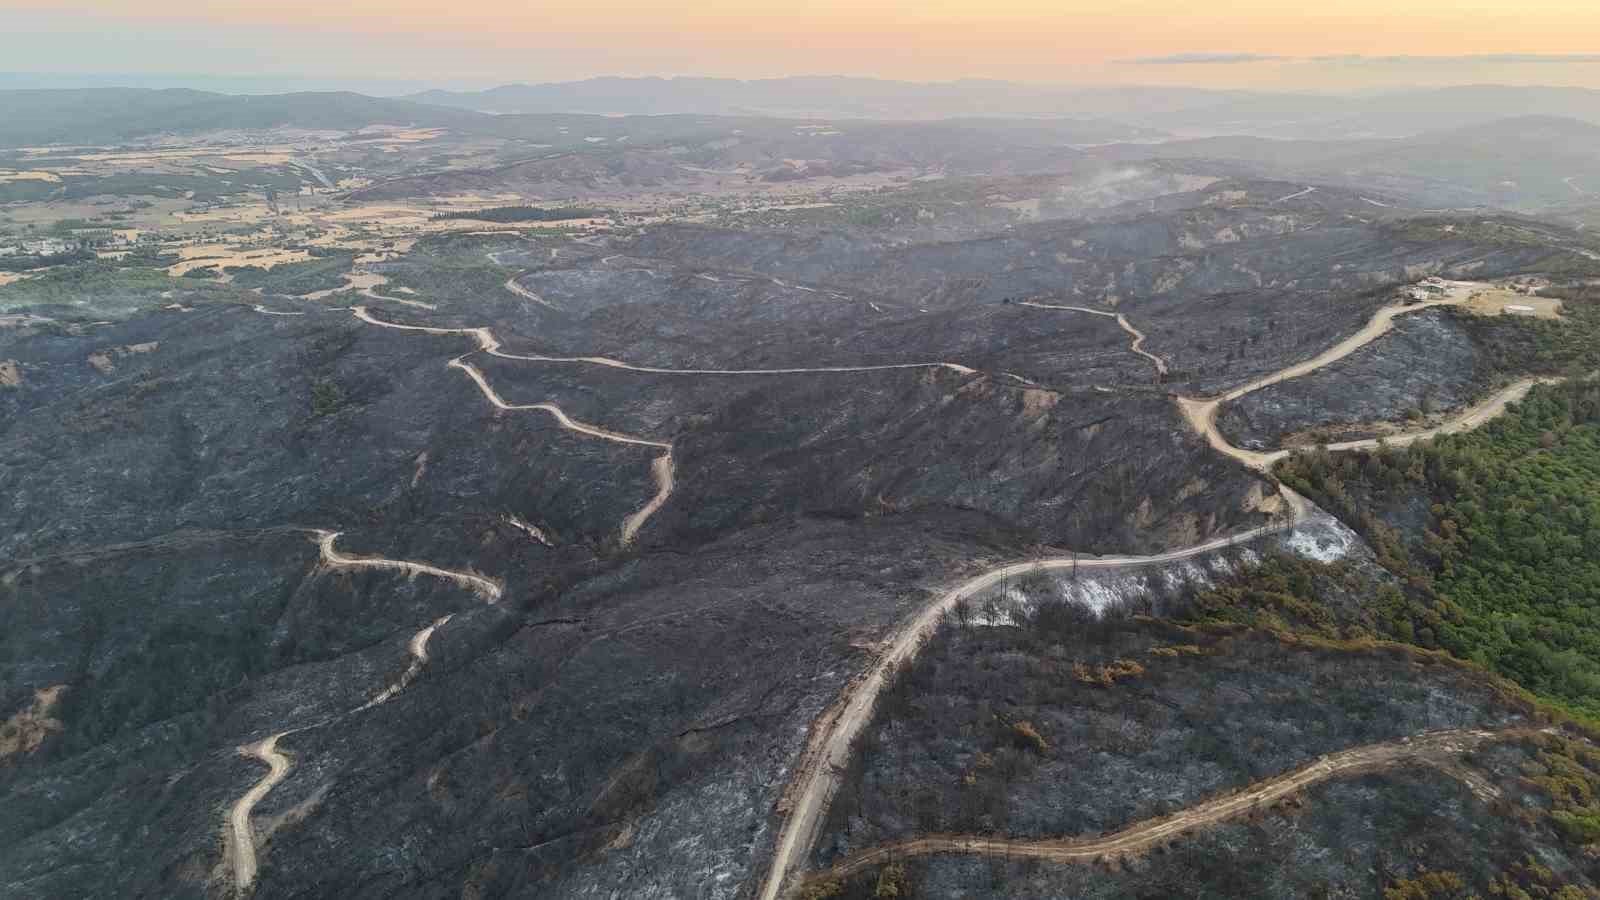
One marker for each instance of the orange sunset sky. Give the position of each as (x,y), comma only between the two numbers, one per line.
(1219,44)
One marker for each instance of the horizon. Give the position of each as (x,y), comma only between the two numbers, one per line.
(1364,45)
(398,88)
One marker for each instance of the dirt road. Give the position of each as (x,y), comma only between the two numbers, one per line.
(242,843)
(487,588)
(1457,293)
(1201,413)
(662,469)
(419,658)
(1438,748)
(1122,320)
(1467,420)
(272,312)
(488,343)
(241,846)
(818,773)
(657,370)
(816,780)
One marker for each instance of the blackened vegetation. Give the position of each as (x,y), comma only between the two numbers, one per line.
(1222,280)
(1433,362)
(1068,724)
(622,722)
(1412,833)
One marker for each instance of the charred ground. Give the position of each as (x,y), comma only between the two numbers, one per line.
(625,717)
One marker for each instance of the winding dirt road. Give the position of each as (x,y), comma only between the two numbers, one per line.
(662,469)
(816,778)
(564,420)
(242,843)
(487,588)
(1201,413)
(1468,419)
(817,774)
(1122,320)
(240,836)
(1262,460)
(488,343)
(419,658)
(657,370)
(1435,748)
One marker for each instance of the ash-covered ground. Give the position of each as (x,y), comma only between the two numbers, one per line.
(1428,365)
(621,718)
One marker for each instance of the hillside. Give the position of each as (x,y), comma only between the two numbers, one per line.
(585,506)
(1179,110)
(1525,162)
(113,115)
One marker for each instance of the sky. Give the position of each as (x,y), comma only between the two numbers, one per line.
(1339,46)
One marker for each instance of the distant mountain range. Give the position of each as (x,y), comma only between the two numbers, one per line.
(1522,163)
(839,97)
(1514,147)
(118,115)
(112,115)
(1186,111)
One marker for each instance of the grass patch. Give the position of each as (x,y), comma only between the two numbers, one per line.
(325,271)
(507,214)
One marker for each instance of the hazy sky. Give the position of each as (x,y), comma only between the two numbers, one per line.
(1254,43)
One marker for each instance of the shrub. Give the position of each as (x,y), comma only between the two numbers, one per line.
(1029,737)
(1177,650)
(1107,675)
(822,889)
(1427,886)
(891,883)
(326,397)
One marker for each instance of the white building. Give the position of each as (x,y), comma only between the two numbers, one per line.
(46,247)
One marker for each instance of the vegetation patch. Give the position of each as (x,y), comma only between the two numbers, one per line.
(1495,536)
(324,271)
(326,397)
(105,288)
(507,214)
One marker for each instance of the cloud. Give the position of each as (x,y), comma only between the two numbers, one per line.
(1190,59)
(1489,58)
